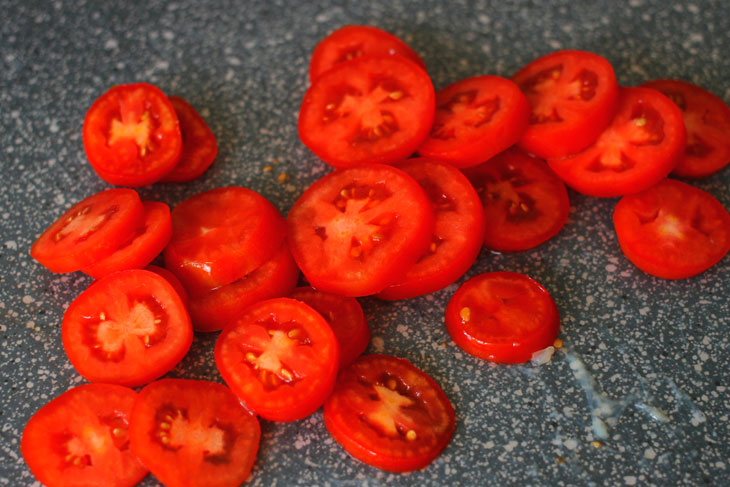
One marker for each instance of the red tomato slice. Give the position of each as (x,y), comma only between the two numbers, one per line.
(353,41)
(373,109)
(199,145)
(641,146)
(146,244)
(502,317)
(458,231)
(345,317)
(280,357)
(221,235)
(387,413)
(277,277)
(193,433)
(525,203)
(357,230)
(132,135)
(476,118)
(672,230)
(573,95)
(89,231)
(81,438)
(707,120)
(174,282)
(128,328)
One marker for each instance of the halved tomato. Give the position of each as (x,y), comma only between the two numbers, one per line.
(173,280)
(199,145)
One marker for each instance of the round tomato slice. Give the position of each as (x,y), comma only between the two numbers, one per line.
(89,231)
(143,247)
(199,145)
(476,118)
(277,277)
(280,357)
(502,317)
(707,120)
(81,438)
(458,231)
(193,433)
(672,230)
(357,230)
(389,414)
(373,109)
(345,317)
(642,145)
(354,41)
(221,235)
(174,281)
(573,96)
(132,135)
(525,203)
(128,328)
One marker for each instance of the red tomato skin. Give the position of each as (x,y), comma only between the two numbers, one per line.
(174,282)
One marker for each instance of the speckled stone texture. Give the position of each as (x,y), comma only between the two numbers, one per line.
(645,361)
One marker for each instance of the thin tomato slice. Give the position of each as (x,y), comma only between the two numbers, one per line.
(476,118)
(458,231)
(707,120)
(199,145)
(525,203)
(640,147)
(573,96)
(128,328)
(357,230)
(81,438)
(502,317)
(672,230)
(132,135)
(173,280)
(389,414)
(373,109)
(89,231)
(280,357)
(193,433)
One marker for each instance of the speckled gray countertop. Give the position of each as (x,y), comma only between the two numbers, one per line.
(647,358)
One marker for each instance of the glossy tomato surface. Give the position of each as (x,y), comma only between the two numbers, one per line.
(199,145)
(172,279)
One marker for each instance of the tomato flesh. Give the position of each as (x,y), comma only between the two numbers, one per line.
(174,281)
(199,145)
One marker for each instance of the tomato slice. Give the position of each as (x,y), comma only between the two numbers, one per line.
(345,317)
(373,109)
(132,135)
(353,41)
(525,203)
(642,145)
(280,357)
(458,231)
(672,230)
(173,280)
(476,118)
(81,438)
(221,235)
(573,96)
(389,414)
(707,120)
(89,231)
(277,277)
(357,230)
(193,433)
(199,145)
(502,317)
(143,247)
(127,328)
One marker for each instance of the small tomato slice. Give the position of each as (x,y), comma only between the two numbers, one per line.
(389,414)
(476,118)
(128,328)
(280,357)
(132,135)
(672,230)
(502,317)
(193,433)
(81,438)
(172,279)
(89,231)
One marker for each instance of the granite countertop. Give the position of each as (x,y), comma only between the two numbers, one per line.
(645,361)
